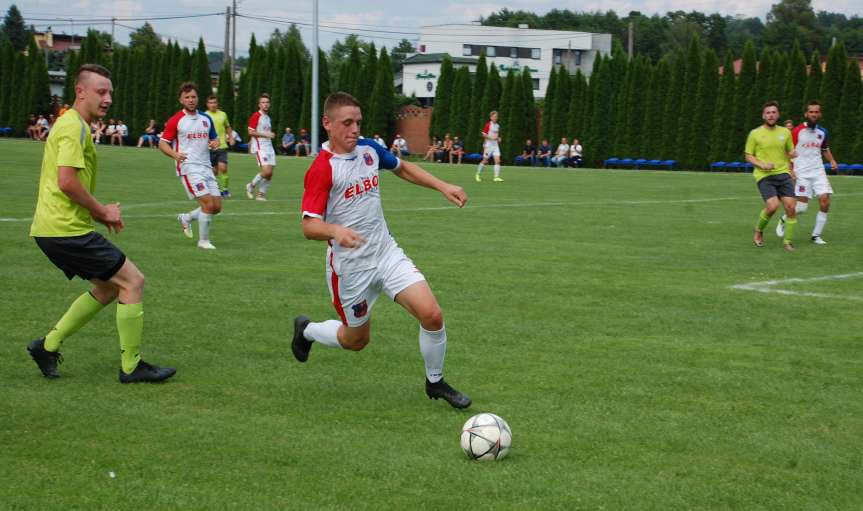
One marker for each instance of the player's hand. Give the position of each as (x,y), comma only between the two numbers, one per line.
(769,166)
(455,194)
(111,217)
(792,154)
(214,144)
(834,165)
(348,238)
(181,157)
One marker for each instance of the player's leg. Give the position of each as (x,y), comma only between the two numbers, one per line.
(497,177)
(803,191)
(129,282)
(250,187)
(266,176)
(481,165)
(209,206)
(222,177)
(769,192)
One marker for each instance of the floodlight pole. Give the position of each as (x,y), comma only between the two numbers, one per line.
(314,96)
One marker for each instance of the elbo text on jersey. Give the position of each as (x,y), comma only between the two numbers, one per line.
(361,187)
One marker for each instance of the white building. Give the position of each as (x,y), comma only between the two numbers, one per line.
(514,48)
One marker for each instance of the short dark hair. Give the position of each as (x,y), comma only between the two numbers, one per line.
(186,87)
(212,96)
(770,103)
(338,99)
(812,102)
(92,68)
(263,95)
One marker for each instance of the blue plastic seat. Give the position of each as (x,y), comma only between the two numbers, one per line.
(626,162)
(843,169)
(611,161)
(733,165)
(640,162)
(718,165)
(655,163)
(669,163)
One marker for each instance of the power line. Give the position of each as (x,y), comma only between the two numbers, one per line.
(131,18)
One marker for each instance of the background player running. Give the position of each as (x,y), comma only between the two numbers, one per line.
(810,143)
(188,137)
(261,145)
(490,147)
(63,228)
(342,206)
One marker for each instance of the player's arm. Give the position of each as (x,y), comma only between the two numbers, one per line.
(167,150)
(412,173)
(229,134)
(261,134)
(316,229)
(829,155)
(108,214)
(758,163)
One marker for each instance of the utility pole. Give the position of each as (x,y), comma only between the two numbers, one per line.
(630,39)
(234,39)
(315,117)
(113,26)
(227,36)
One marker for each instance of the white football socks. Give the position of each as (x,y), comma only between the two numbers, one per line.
(191,215)
(326,333)
(820,221)
(497,170)
(257,179)
(204,226)
(265,185)
(479,169)
(433,349)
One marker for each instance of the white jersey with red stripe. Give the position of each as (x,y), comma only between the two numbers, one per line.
(491,128)
(344,189)
(809,143)
(261,122)
(190,134)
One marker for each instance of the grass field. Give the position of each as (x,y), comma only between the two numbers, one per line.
(593,310)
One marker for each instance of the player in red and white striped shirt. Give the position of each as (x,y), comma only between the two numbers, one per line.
(261,145)
(187,138)
(342,206)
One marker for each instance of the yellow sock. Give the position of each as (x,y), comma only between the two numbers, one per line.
(79,314)
(130,326)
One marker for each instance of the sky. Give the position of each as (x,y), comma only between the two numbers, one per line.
(393,19)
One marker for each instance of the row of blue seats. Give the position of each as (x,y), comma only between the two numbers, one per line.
(842,168)
(640,163)
(6,131)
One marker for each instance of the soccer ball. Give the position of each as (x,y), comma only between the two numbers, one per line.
(486,437)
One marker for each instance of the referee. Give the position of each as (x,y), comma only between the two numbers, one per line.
(63,228)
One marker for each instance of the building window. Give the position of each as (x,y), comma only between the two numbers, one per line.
(557,59)
(534,53)
(490,51)
(513,53)
(577,57)
(535,83)
(466,50)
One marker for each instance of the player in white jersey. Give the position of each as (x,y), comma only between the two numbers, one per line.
(342,206)
(188,137)
(490,147)
(261,145)
(811,143)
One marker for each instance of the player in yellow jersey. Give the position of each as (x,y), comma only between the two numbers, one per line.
(63,228)
(219,157)
(769,149)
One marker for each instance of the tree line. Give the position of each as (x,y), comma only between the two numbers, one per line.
(687,107)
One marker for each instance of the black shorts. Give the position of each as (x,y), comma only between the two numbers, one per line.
(776,186)
(88,256)
(218,156)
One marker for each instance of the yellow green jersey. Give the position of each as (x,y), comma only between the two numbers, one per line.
(69,145)
(220,119)
(770,145)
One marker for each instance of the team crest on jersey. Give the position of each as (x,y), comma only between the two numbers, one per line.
(199,187)
(801,189)
(360,309)
(368,159)
(205,124)
(819,136)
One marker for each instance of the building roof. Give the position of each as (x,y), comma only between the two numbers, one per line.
(434,58)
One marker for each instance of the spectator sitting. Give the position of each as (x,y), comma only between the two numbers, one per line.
(434,147)
(457,150)
(445,149)
(63,109)
(789,124)
(381,142)
(48,125)
(120,134)
(238,144)
(42,127)
(575,153)
(97,129)
(400,146)
(32,128)
(287,142)
(561,156)
(305,143)
(110,129)
(544,153)
(528,154)
(149,135)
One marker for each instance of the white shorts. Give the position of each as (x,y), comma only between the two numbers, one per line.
(265,157)
(815,185)
(199,181)
(491,150)
(354,294)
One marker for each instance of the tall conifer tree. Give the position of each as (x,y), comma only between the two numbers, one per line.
(813,79)
(440,120)
(470,137)
(848,120)
(383,99)
(723,112)
(529,105)
(562,97)
(461,103)
(795,85)
(671,114)
(653,127)
(548,106)
(831,84)
(742,93)
(705,104)
(688,114)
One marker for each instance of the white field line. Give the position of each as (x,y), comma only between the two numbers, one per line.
(772,286)
(432,208)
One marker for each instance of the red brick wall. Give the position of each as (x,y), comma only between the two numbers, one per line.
(412,122)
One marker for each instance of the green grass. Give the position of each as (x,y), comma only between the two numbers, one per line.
(591,309)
